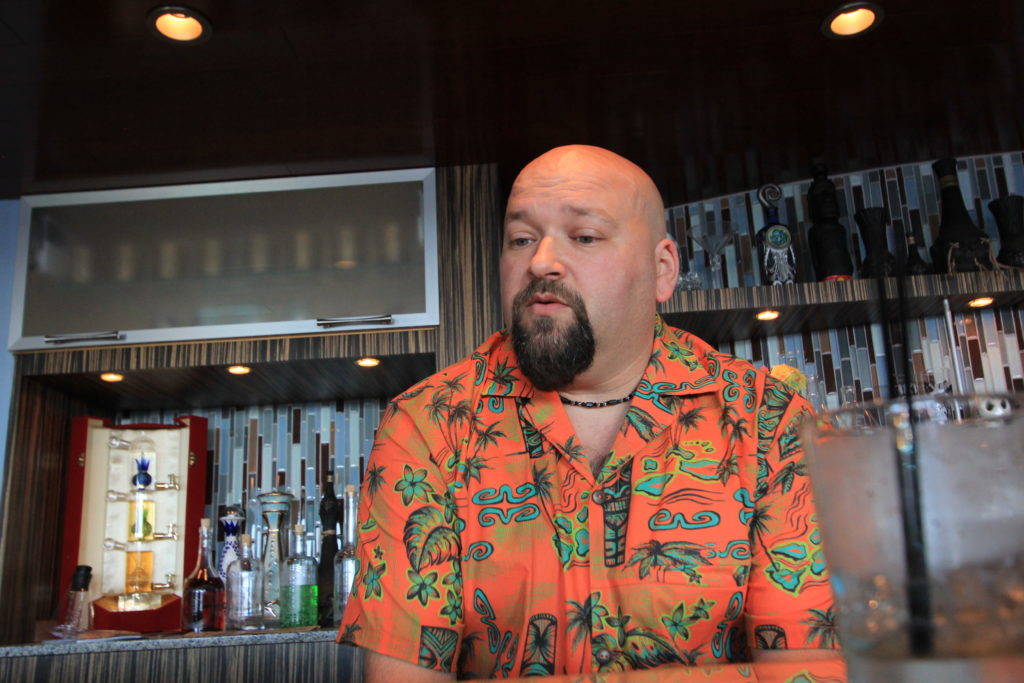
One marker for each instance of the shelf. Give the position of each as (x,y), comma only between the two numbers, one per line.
(724,314)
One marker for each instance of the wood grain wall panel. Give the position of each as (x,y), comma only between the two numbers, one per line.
(470,209)
(226,352)
(34,484)
(283,662)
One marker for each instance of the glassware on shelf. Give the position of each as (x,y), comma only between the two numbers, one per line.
(245,589)
(713,237)
(298,585)
(203,597)
(345,563)
(275,506)
(76,615)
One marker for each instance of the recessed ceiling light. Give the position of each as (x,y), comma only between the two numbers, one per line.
(368,362)
(179,24)
(239,369)
(767,314)
(852,19)
(980,302)
(111,377)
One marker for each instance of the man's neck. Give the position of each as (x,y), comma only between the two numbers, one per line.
(609,378)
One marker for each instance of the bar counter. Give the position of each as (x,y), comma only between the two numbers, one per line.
(272,656)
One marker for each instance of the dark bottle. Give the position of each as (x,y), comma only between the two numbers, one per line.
(330,511)
(203,598)
(878,260)
(1009,214)
(914,265)
(774,241)
(827,236)
(960,246)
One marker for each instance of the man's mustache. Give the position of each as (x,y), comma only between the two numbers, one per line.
(550,287)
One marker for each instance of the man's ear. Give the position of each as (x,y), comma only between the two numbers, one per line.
(666,264)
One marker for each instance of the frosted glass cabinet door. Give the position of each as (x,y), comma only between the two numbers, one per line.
(267,257)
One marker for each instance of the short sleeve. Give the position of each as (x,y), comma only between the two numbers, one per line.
(406,600)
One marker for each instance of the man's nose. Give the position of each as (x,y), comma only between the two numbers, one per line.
(546,261)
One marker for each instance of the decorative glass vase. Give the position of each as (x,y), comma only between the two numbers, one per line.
(275,506)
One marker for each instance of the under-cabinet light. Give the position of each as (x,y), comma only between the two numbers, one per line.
(239,369)
(767,314)
(368,362)
(980,302)
(112,377)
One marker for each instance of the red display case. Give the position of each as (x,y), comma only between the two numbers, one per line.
(101,465)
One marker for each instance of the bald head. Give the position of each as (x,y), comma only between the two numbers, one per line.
(589,165)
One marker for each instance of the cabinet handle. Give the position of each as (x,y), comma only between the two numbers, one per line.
(80,336)
(386,319)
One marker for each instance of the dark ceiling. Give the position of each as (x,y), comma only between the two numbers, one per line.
(710,96)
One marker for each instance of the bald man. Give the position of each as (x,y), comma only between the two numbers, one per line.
(591,490)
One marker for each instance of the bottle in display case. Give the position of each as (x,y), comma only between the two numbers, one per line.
(245,589)
(298,585)
(203,597)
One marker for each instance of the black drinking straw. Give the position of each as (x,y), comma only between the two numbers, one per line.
(919,602)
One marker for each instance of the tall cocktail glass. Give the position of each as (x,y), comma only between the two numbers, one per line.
(921,507)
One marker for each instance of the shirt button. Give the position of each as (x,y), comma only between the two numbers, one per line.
(603,656)
(598,497)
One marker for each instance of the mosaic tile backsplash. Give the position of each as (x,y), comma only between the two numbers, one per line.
(291,447)
(849,363)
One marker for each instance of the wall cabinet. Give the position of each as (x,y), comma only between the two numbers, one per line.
(227,260)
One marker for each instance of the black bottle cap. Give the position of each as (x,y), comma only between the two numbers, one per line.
(80,581)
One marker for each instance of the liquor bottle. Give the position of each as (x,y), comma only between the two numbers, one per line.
(76,616)
(915,265)
(960,246)
(774,241)
(827,236)
(330,509)
(345,562)
(245,589)
(141,522)
(202,600)
(298,585)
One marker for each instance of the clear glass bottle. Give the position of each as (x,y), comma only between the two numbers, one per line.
(76,615)
(298,585)
(141,522)
(245,589)
(202,600)
(345,563)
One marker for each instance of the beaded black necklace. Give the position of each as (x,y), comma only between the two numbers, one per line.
(596,404)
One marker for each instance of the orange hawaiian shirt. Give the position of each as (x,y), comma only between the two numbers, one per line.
(488,548)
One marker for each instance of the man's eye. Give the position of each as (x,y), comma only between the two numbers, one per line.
(586,239)
(519,241)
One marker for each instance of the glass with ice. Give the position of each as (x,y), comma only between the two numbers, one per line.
(957,462)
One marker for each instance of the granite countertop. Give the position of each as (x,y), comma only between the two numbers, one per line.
(169,642)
